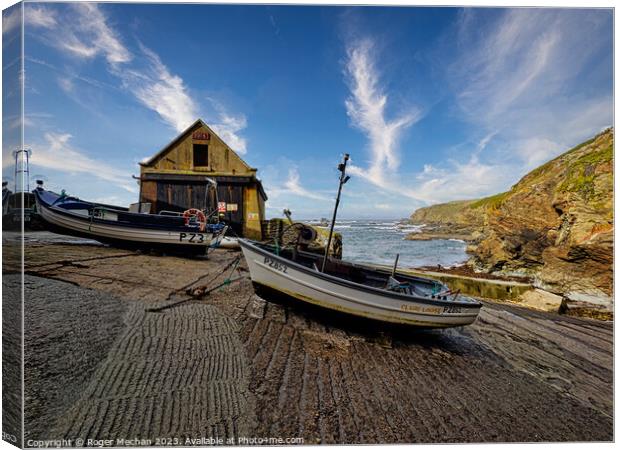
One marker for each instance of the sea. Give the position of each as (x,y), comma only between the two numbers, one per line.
(377,241)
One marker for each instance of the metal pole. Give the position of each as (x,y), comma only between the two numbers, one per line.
(343,179)
(395,264)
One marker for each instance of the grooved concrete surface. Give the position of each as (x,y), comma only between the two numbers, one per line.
(171,374)
(235,365)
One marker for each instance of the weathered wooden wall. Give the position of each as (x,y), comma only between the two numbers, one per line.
(170,181)
(179,158)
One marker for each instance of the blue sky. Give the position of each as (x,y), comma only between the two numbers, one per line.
(433,104)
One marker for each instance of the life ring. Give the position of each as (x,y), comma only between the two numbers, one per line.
(200,217)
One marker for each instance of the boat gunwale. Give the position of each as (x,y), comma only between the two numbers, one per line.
(185,248)
(474,304)
(157,227)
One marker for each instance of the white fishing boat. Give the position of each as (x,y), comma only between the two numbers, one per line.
(184,233)
(351,288)
(357,289)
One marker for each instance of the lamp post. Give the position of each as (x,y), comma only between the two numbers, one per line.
(342,167)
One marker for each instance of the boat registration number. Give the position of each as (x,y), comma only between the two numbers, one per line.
(195,238)
(451,309)
(275,264)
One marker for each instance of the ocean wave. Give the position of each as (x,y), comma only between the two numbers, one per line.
(410,228)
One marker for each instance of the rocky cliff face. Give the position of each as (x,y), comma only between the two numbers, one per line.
(459,219)
(555,225)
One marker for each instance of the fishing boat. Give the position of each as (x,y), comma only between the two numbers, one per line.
(355,289)
(186,233)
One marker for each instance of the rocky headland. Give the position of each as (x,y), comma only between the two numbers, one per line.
(555,226)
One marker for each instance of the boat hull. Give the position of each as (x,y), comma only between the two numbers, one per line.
(230,243)
(66,222)
(340,295)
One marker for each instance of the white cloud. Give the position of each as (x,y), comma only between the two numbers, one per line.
(535,151)
(39,16)
(459,180)
(159,90)
(66,84)
(293,186)
(366,106)
(228,129)
(11,20)
(523,74)
(383,206)
(87,34)
(57,153)
(13,122)
(228,126)
(519,80)
(78,47)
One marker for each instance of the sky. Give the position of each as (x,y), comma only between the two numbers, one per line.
(432,104)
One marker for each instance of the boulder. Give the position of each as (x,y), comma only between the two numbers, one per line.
(541,300)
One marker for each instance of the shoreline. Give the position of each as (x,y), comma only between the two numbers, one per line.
(466,271)
(432,236)
(543,298)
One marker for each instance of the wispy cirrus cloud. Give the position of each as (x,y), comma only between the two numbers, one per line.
(57,153)
(88,34)
(286,189)
(518,79)
(11,19)
(229,126)
(159,90)
(40,16)
(522,74)
(293,186)
(84,34)
(366,106)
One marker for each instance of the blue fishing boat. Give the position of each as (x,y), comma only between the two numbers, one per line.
(188,233)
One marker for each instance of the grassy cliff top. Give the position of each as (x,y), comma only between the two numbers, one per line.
(585,172)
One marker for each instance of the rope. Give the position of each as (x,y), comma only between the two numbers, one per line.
(201,290)
(234,268)
(234,262)
(277,246)
(223,232)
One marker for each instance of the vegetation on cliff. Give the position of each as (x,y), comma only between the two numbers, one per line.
(555,224)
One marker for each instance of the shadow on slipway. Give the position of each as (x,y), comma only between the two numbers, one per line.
(389,335)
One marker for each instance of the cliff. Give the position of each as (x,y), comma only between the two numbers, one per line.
(463,219)
(555,225)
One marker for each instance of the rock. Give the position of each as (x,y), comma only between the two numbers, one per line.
(555,225)
(541,300)
(257,307)
(588,309)
(424,236)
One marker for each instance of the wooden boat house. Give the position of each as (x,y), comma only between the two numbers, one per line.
(176,179)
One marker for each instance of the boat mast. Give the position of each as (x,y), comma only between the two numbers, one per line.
(342,167)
